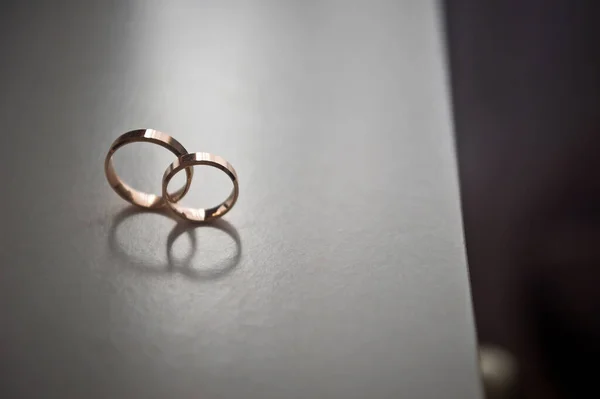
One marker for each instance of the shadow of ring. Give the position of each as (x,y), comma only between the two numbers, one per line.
(212,273)
(131,261)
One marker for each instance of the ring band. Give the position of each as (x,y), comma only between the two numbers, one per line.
(137,197)
(188,161)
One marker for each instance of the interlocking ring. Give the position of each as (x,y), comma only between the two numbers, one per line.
(131,195)
(190,160)
(184,161)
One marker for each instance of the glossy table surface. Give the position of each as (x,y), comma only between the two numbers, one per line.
(341,271)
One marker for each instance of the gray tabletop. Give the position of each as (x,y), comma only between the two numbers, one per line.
(341,271)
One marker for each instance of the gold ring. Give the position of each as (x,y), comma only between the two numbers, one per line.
(188,161)
(137,197)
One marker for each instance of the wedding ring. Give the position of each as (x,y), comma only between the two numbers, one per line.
(137,197)
(190,160)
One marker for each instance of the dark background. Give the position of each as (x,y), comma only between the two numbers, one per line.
(526,97)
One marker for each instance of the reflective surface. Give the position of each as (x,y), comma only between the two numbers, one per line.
(347,278)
